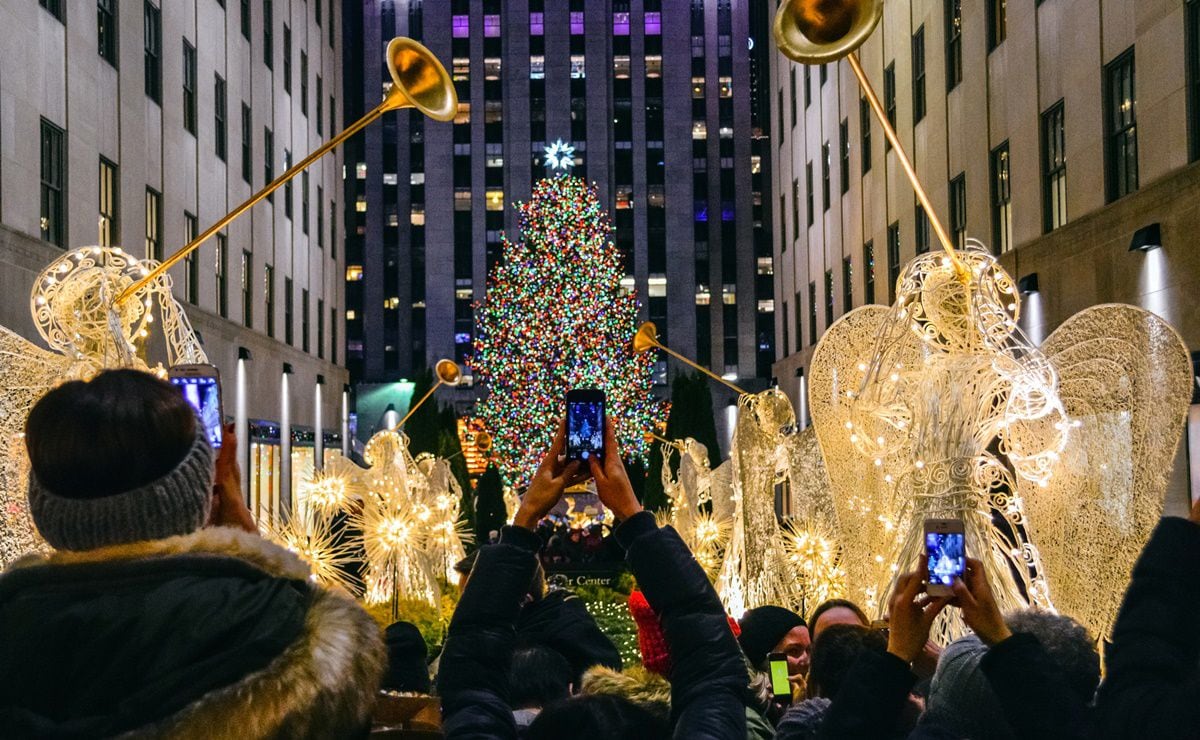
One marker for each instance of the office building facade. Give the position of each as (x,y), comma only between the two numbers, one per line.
(658,99)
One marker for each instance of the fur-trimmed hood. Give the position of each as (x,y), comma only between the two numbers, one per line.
(177,607)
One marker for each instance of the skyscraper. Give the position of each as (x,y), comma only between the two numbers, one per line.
(657,98)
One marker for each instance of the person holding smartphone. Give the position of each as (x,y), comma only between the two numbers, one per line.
(709,674)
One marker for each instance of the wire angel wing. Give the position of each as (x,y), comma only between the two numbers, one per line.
(1125,380)
(28,371)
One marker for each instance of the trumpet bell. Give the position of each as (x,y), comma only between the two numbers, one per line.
(646,337)
(820,31)
(447,371)
(483,441)
(419,81)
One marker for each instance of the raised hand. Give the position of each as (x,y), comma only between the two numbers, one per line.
(973,596)
(612,483)
(911,614)
(553,477)
(229,507)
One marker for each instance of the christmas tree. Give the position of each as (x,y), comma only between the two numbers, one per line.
(555,318)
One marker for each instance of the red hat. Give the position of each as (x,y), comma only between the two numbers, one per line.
(656,656)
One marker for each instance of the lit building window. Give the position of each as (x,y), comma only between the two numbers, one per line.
(765,266)
(766,306)
(578,67)
(389,178)
(391,303)
(353,273)
(621,67)
(537,24)
(491,26)
(417,215)
(703,296)
(462,199)
(729,294)
(620,24)
(360,170)
(654,65)
(464,113)
(577,23)
(461,68)
(351,314)
(360,205)
(699,130)
(656,286)
(653,24)
(537,67)
(697,87)
(495,200)
(491,68)
(460,26)
(725,86)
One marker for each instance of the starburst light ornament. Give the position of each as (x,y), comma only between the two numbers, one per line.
(559,155)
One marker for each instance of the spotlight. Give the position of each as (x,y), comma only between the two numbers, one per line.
(1028,284)
(1146,238)
(244,354)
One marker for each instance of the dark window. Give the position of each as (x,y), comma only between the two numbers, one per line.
(320,217)
(1054,168)
(795,113)
(997,22)
(922,229)
(333,230)
(798,309)
(191,273)
(110,188)
(1192,40)
(268,35)
(189,87)
(1120,124)
(245,19)
(331,33)
(288,190)
(154,250)
(320,329)
(219,116)
(844,158)
(303,84)
(795,209)
(247,144)
(808,192)
(812,313)
(288,330)
(304,201)
(869,272)
(825,176)
(287,59)
(269,299)
(864,123)
(780,108)
(847,284)
(828,299)
(953,43)
(106,30)
(304,319)
(222,270)
(320,100)
(1001,200)
(268,159)
(55,7)
(783,240)
(893,256)
(824,73)
(152,41)
(807,86)
(889,97)
(333,335)
(958,210)
(247,288)
(918,74)
(332,116)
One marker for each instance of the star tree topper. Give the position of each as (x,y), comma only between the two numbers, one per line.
(560,156)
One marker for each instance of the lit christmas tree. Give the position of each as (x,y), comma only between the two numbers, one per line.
(554,318)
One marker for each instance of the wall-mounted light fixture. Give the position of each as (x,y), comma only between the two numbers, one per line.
(1028,284)
(1146,238)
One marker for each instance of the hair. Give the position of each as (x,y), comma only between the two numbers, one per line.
(597,717)
(828,604)
(538,677)
(835,651)
(1070,648)
(114,433)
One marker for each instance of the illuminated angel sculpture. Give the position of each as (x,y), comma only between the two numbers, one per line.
(74,310)
(940,407)
(704,522)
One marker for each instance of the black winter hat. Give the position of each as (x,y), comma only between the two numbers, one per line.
(763,628)
(408,669)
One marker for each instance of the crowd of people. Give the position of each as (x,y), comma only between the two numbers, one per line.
(160,612)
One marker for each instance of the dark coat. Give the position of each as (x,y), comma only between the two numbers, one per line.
(709,675)
(1152,687)
(216,634)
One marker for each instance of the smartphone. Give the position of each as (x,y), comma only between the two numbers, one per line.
(946,549)
(780,686)
(201,386)
(585,424)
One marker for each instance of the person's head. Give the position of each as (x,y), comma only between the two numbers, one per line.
(645,688)
(598,717)
(116,459)
(408,667)
(836,611)
(538,677)
(1071,649)
(835,651)
(961,701)
(773,629)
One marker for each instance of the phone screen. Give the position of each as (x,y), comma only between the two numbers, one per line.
(780,686)
(204,394)
(585,429)
(947,560)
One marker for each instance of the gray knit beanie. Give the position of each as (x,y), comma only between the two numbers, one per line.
(961,699)
(177,503)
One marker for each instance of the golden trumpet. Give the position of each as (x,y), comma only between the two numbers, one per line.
(821,31)
(418,81)
(447,372)
(646,338)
